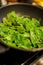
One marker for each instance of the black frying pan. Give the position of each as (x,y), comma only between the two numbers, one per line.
(23,9)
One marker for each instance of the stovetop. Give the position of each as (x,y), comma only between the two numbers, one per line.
(17,57)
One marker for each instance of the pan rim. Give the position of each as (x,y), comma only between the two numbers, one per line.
(27,4)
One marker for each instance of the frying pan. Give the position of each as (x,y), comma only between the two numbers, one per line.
(25,10)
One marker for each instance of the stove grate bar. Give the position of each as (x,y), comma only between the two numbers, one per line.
(37,54)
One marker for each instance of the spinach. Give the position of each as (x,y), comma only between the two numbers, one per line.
(22,32)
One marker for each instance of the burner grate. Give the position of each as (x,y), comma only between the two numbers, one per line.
(31,59)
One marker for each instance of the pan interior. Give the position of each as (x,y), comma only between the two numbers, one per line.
(21,9)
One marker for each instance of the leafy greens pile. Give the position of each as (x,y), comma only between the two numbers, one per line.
(21,32)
